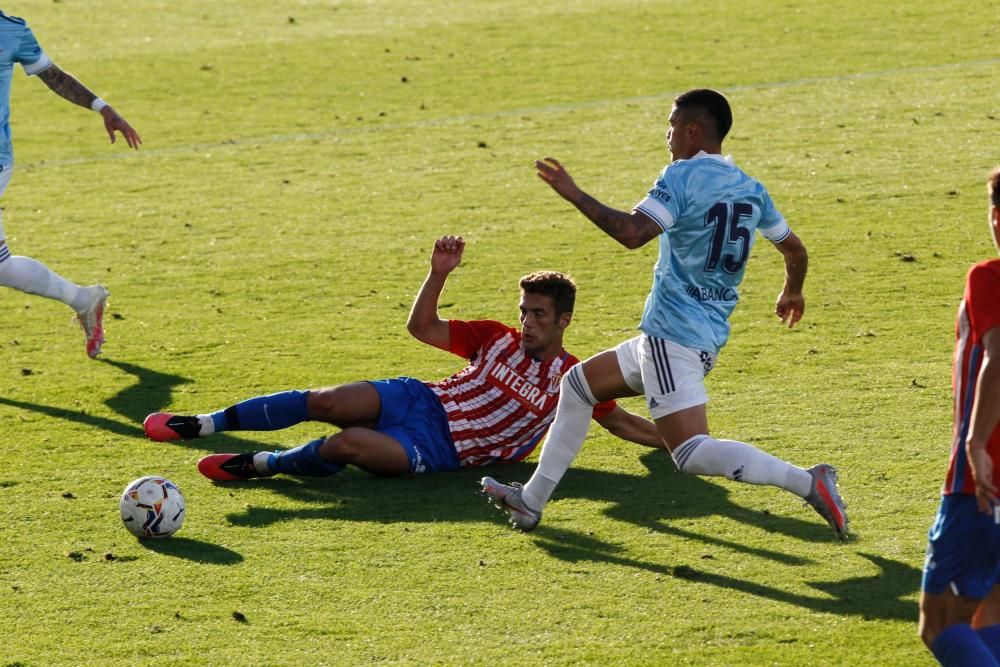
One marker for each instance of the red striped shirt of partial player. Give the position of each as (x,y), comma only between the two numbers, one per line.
(502,403)
(978,313)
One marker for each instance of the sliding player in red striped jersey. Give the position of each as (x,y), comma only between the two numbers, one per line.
(496,409)
(960,601)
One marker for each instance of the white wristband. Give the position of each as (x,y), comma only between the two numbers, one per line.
(98,104)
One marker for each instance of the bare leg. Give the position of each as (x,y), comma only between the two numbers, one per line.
(604,376)
(369,450)
(679,427)
(355,404)
(939,610)
(988,612)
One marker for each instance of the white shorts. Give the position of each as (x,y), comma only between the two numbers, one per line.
(6,171)
(670,375)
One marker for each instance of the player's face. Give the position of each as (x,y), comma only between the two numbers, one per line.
(680,136)
(541,330)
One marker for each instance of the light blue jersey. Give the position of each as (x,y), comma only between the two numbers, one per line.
(709,211)
(17,45)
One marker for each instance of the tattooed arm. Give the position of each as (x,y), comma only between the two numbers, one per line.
(632,230)
(65,85)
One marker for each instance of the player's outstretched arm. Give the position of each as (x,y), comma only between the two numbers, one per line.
(985,417)
(425,324)
(628,426)
(69,88)
(632,230)
(791,303)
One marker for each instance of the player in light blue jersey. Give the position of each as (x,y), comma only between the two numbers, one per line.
(709,210)
(19,46)
(705,212)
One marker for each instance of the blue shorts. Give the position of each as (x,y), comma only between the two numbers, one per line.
(413,416)
(963,550)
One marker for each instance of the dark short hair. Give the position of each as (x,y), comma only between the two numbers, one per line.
(711,105)
(993,186)
(557,286)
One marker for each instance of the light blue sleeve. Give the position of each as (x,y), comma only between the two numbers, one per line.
(772,224)
(29,53)
(664,202)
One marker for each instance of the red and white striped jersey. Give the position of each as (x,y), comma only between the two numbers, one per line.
(979,312)
(501,404)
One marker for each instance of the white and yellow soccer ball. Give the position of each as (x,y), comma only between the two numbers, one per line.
(152,507)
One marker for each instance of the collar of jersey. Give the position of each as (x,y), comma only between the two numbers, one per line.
(700,155)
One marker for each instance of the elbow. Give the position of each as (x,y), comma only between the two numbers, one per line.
(802,260)
(633,241)
(426,332)
(639,235)
(414,327)
(796,259)
(798,262)
(418,334)
(795,250)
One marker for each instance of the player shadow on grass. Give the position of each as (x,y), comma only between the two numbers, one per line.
(152,391)
(152,388)
(78,416)
(877,596)
(654,501)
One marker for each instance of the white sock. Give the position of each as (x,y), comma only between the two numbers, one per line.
(207,425)
(704,455)
(565,438)
(260,463)
(33,277)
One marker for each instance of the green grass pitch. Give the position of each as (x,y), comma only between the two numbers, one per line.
(299,160)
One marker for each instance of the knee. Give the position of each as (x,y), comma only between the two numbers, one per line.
(933,620)
(343,447)
(321,404)
(927,633)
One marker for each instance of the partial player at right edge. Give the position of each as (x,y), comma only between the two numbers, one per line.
(705,212)
(960,597)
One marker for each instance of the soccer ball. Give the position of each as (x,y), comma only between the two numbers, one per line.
(152,506)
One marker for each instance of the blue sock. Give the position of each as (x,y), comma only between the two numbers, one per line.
(990,635)
(264,413)
(959,646)
(304,461)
